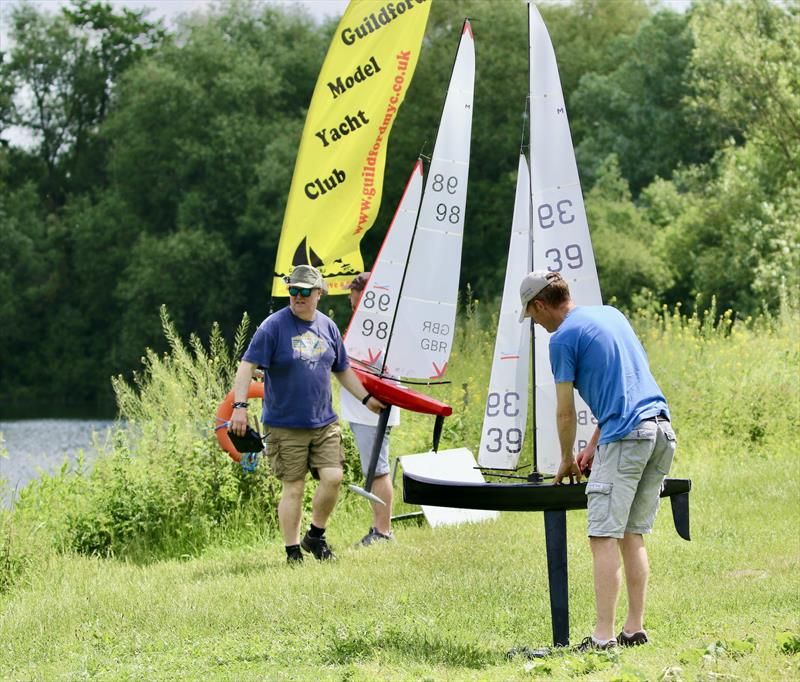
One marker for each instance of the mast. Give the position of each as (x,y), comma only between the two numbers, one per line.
(535,476)
(560,230)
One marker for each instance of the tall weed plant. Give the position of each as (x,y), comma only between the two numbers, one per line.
(166,488)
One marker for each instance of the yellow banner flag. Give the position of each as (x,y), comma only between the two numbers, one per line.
(338,177)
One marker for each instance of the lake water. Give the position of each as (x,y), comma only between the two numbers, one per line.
(44,444)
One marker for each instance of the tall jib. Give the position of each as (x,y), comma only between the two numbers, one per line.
(422,333)
(506,414)
(561,241)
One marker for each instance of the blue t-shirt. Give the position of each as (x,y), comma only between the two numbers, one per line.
(298,358)
(596,349)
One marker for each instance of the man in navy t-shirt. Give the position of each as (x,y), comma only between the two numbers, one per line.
(594,349)
(299,348)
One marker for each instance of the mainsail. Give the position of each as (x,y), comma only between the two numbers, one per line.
(507,403)
(422,333)
(553,216)
(561,241)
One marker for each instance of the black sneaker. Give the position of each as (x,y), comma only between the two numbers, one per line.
(589,644)
(294,559)
(318,547)
(375,535)
(636,639)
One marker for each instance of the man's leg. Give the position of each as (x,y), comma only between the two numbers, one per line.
(607,577)
(290,511)
(637,571)
(324,501)
(382,514)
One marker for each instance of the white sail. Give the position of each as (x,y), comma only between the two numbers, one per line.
(368,333)
(506,411)
(561,241)
(422,336)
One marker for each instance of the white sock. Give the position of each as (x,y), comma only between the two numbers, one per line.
(602,642)
(630,634)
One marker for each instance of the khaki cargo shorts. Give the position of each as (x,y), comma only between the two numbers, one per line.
(294,452)
(625,486)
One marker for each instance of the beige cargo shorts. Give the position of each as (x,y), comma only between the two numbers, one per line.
(292,453)
(625,485)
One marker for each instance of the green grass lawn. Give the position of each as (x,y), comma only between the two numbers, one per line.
(447,604)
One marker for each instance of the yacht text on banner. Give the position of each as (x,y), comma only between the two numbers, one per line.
(338,177)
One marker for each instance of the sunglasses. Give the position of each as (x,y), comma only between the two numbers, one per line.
(305,293)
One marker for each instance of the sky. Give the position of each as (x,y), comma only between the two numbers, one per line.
(170,9)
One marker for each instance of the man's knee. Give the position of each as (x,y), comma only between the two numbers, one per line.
(293,490)
(331,476)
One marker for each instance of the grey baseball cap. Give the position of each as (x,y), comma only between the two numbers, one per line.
(532,286)
(306,276)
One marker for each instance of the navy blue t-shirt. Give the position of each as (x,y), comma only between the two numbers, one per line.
(596,349)
(298,358)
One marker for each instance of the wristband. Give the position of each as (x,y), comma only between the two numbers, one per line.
(238,405)
(366,398)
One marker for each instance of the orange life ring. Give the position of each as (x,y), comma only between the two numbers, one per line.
(224,413)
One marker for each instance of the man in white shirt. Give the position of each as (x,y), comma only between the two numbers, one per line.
(363,424)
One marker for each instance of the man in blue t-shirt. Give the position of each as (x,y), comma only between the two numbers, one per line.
(594,349)
(299,347)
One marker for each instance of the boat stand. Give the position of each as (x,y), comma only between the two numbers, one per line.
(555,535)
(554,501)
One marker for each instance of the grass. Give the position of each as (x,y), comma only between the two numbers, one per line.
(447,604)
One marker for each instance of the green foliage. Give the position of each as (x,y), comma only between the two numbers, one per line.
(69,63)
(629,250)
(636,111)
(165,487)
(746,65)
(789,642)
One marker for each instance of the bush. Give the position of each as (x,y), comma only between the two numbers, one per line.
(165,488)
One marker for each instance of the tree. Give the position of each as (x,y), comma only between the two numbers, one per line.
(637,111)
(734,230)
(64,68)
(628,248)
(746,68)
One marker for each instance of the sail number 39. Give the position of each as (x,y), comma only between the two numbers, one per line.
(511,438)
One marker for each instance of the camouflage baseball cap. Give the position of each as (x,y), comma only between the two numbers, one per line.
(306,276)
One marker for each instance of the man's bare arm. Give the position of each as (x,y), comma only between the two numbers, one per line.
(567,424)
(241,385)
(350,381)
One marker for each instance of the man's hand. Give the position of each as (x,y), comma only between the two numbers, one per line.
(586,457)
(238,422)
(568,467)
(375,405)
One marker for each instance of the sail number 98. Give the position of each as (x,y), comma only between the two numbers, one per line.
(572,255)
(439,183)
(450,213)
(371,300)
(368,328)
